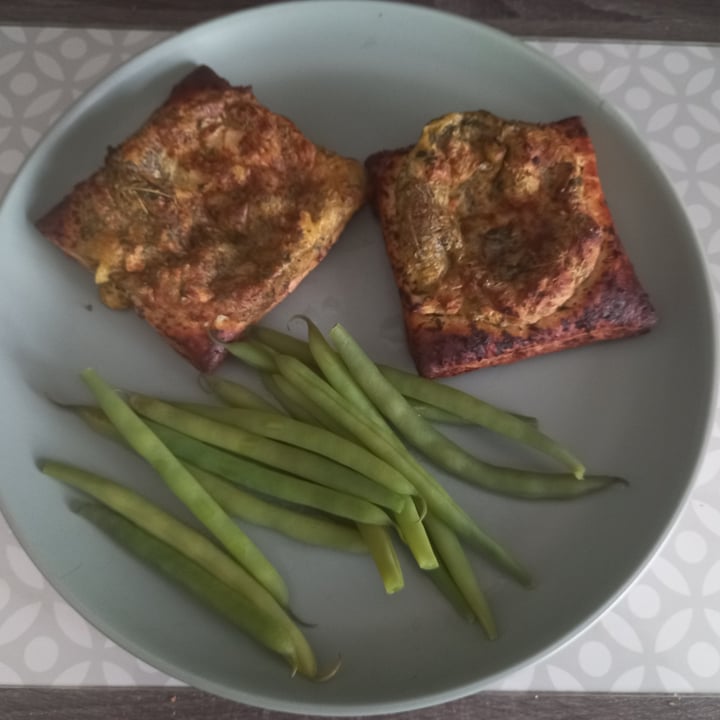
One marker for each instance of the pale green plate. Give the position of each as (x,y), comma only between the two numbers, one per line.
(359,77)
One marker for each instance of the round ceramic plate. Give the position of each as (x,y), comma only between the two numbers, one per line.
(359,77)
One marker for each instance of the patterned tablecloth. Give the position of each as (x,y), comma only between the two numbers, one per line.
(664,634)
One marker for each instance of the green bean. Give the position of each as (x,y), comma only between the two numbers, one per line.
(252,354)
(447,586)
(269,482)
(163,526)
(258,623)
(149,446)
(383,553)
(183,538)
(246,473)
(339,378)
(444,452)
(312,438)
(437,498)
(301,409)
(413,533)
(454,559)
(273,384)
(289,345)
(471,408)
(342,451)
(309,529)
(294,403)
(261,357)
(283,343)
(97,420)
(436,414)
(270,452)
(319,392)
(237,395)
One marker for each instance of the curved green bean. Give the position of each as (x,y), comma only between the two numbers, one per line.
(442,450)
(454,559)
(163,526)
(433,413)
(283,343)
(186,540)
(149,446)
(338,376)
(436,414)
(275,454)
(236,395)
(290,345)
(273,384)
(310,529)
(447,586)
(97,420)
(251,354)
(437,498)
(298,405)
(478,412)
(258,623)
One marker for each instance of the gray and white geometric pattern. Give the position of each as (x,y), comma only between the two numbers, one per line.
(664,634)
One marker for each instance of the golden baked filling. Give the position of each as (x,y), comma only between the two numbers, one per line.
(208,216)
(502,244)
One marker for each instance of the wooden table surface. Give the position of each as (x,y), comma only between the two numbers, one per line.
(667,20)
(657,20)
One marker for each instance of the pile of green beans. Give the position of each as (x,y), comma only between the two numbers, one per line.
(428,398)
(177,477)
(257,622)
(381,408)
(236,580)
(189,557)
(328,466)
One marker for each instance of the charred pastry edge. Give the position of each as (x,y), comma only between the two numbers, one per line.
(613,311)
(609,305)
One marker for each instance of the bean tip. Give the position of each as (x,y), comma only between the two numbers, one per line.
(204,383)
(88,373)
(299,620)
(603,481)
(331,672)
(80,507)
(524,578)
(392,588)
(58,403)
(487,623)
(42,464)
(299,316)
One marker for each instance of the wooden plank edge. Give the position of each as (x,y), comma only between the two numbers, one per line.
(692,22)
(183,703)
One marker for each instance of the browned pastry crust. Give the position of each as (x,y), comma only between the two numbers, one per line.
(502,244)
(208,216)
